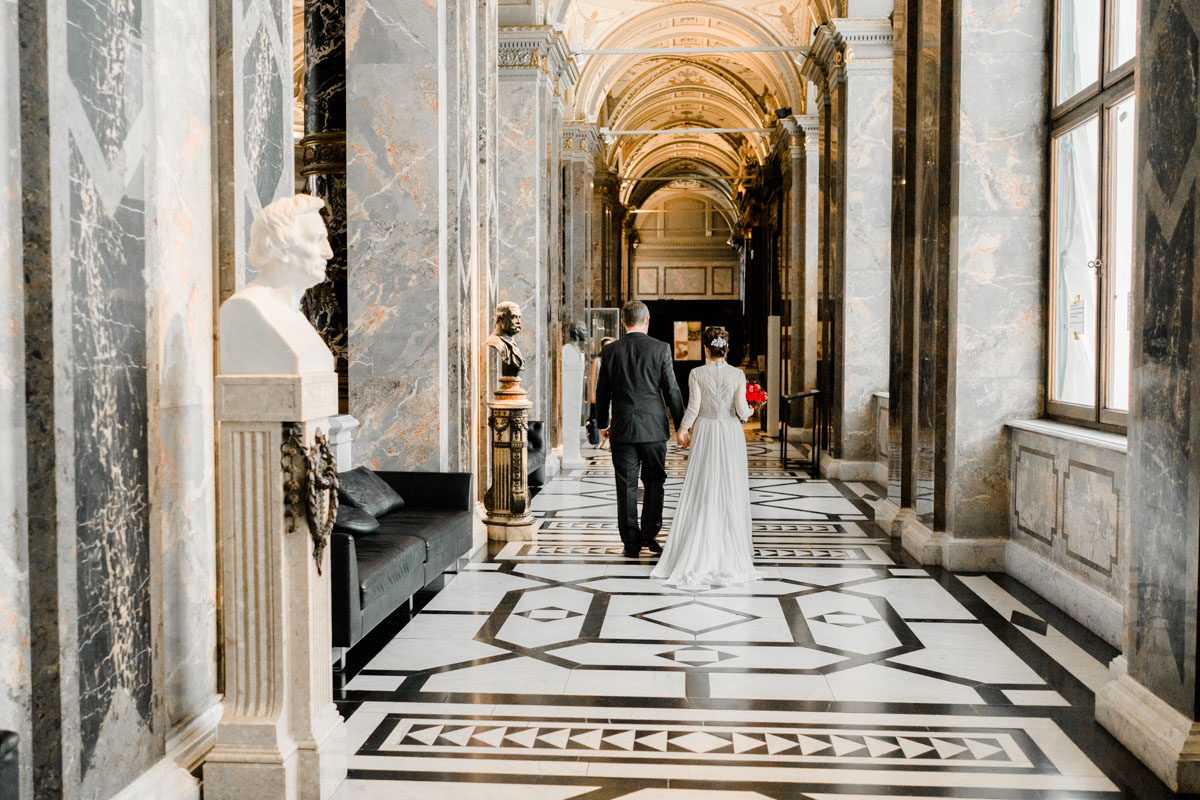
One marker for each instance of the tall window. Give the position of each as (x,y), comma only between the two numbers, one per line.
(1092,190)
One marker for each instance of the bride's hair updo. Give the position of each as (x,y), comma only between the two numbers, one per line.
(716,339)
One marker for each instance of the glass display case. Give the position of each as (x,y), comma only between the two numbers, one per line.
(603,322)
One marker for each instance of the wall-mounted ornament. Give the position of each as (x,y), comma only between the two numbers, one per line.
(309,486)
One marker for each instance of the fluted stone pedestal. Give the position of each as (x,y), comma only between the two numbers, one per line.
(280,737)
(572,407)
(507,499)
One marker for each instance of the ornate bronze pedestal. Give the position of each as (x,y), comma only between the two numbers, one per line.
(507,499)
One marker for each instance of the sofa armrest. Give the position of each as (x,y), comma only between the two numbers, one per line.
(345,601)
(453,491)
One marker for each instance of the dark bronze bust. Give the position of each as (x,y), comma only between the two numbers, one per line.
(577,334)
(508,325)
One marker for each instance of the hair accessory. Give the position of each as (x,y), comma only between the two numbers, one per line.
(718,342)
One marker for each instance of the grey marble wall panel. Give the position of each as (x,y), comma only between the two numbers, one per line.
(462,431)
(523,117)
(1069,505)
(179,252)
(486,80)
(1161,637)
(395,235)
(998,254)
(14,561)
(867,275)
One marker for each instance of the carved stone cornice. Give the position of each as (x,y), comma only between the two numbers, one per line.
(811,125)
(823,57)
(580,141)
(534,50)
(864,39)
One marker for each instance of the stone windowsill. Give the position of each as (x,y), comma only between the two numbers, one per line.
(1073,433)
(882,395)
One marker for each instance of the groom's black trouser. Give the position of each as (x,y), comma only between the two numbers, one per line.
(650,458)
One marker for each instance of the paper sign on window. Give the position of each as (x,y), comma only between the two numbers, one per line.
(1075,316)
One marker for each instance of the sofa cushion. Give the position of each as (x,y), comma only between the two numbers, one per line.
(354,520)
(386,560)
(362,488)
(446,534)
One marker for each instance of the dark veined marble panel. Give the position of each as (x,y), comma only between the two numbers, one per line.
(104,62)
(111,470)
(1163,438)
(263,124)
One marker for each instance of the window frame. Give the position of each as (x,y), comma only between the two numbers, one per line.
(1113,85)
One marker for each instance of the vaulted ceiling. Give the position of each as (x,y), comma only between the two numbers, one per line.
(684,68)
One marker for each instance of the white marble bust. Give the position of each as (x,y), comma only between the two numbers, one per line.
(263,331)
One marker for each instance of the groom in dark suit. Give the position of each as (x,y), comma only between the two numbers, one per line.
(637,377)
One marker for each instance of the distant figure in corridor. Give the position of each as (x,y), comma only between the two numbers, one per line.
(710,543)
(637,378)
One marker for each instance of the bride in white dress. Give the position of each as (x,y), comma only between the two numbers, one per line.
(710,542)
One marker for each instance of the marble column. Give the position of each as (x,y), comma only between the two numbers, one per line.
(579,156)
(15,708)
(995,267)
(412,148)
(804,151)
(324,170)
(605,258)
(533,72)
(967,285)
(115,389)
(1152,705)
(486,226)
(809,124)
(858,53)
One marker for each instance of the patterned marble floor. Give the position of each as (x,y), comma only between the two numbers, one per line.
(558,669)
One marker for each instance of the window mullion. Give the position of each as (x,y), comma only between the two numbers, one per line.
(1103,250)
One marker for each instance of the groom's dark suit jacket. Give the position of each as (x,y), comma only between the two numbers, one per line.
(637,375)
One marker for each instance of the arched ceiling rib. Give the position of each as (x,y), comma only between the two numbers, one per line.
(731,86)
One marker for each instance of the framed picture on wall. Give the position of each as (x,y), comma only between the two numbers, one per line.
(681,340)
(687,341)
(694,351)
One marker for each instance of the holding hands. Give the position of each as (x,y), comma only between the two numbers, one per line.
(684,439)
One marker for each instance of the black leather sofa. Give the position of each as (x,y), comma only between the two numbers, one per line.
(535,469)
(376,568)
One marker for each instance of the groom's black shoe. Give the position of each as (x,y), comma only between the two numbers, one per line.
(653,546)
(631,552)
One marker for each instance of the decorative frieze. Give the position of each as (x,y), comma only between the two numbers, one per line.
(580,141)
(537,50)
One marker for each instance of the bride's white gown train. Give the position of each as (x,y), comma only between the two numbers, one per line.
(710,542)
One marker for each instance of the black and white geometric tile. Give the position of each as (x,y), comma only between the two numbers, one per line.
(560,669)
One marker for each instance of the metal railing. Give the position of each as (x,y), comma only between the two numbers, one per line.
(793,408)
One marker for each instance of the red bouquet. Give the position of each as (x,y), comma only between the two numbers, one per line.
(755,396)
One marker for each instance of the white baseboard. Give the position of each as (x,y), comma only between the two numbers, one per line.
(553,466)
(919,541)
(886,514)
(1098,612)
(1167,742)
(837,469)
(187,744)
(958,554)
(479,531)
